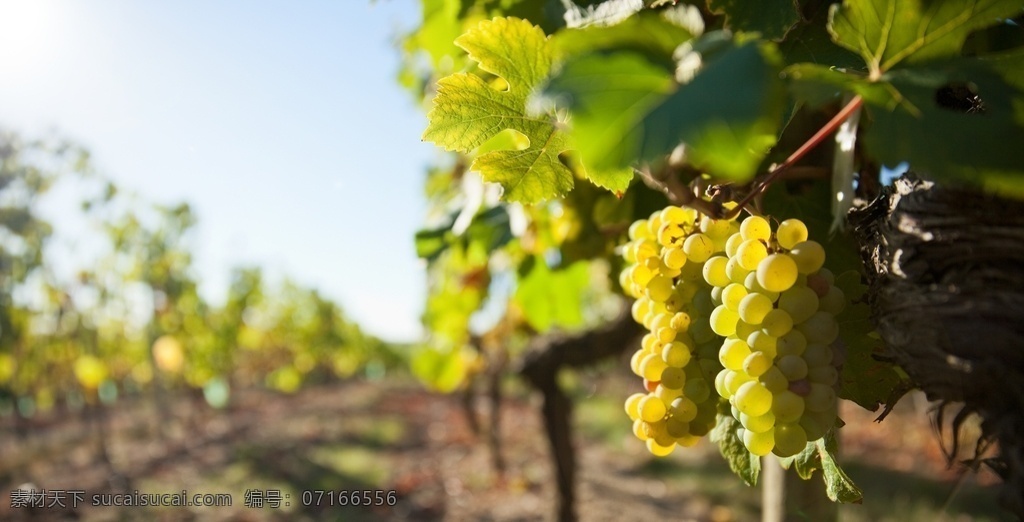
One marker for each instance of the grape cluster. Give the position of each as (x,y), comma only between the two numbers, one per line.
(678,359)
(775,305)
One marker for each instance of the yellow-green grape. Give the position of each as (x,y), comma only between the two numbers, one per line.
(714,271)
(654,223)
(673,378)
(793,367)
(667,395)
(683,409)
(638,230)
(777,272)
(641,275)
(640,429)
(649,342)
(676,355)
(673,258)
(690,441)
(670,234)
(823,374)
(817,355)
(776,323)
(800,302)
(834,301)
(756,364)
(640,308)
(634,362)
(652,409)
(808,256)
(756,227)
(659,288)
(680,321)
(759,444)
(697,390)
(665,335)
(733,353)
(626,280)
(646,249)
(754,307)
(744,329)
(733,381)
(821,397)
(723,321)
(790,439)
(774,381)
(716,295)
(698,248)
(758,424)
(752,285)
(790,233)
(715,228)
(762,342)
(753,398)
(733,295)
(658,450)
(687,290)
(678,215)
(792,343)
(733,244)
(735,272)
(651,367)
(812,427)
(691,272)
(820,328)
(633,405)
(662,320)
(750,253)
(676,427)
(720,387)
(787,407)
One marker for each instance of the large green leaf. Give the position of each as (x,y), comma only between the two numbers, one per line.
(887,32)
(626,109)
(820,454)
(650,33)
(551,299)
(772,18)
(744,464)
(441,370)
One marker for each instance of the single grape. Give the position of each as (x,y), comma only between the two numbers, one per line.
(787,407)
(714,271)
(790,439)
(733,295)
(792,343)
(777,272)
(697,390)
(759,444)
(758,424)
(633,405)
(634,362)
(670,234)
(673,258)
(683,409)
(667,395)
(754,307)
(658,450)
(652,409)
(793,367)
(774,381)
(675,355)
(651,367)
(639,429)
(753,398)
(777,323)
(756,227)
(834,301)
(808,256)
(733,353)
(673,378)
(733,381)
(680,322)
(733,244)
(756,364)
(698,248)
(762,342)
(800,302)
(638,230)
(817,355)
(823,374)
(677,427)
(723,321)
(791,232)
(750,253)
(821,327)
(821,398)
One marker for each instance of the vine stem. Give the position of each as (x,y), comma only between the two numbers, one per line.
(797,155)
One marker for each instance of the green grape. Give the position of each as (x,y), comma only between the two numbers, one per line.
(702,304)
(652,409)
(808,256)
(787,407)
(754,307)
(667,395)
(824,420)
(670,234)
(723,321)
(676,355)
(691,440)
(677,215)
(777,272)
(733,353)
(817,283)
(626,281)
(697,390)
(733,295)
(790,439)
(756,364)
(665,334)
(792,343)
(715,227)
(821,398)
(683,409)
(762,342)
(820,328)
(777,323)
(673,378)
(744,329)
(639,429)
(687,291)
(640,308)
(651,367)
(677,427)
(826,375)
(774,381)
(733,381)
(698,248)
(691,272)
(658,450)
(735,272)
(759,444)
(791,232)
(654,224)
(812,428)
(733,244)
(641,275)
(680,321)
(673,258)
(649,342)
(702,332)
(800,302)
(758,424)
(753,398)
(661,320)
(638,230)
(817,355)
(793,367)
(756,227)
(750,253)
(834,301)
(716,295)
(753,286)
(633,405)
(714,271)
(634,362)
(720,384)
(645,250)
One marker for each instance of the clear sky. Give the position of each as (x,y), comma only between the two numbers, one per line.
(280,122)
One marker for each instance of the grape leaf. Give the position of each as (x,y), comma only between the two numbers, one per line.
(888,32)
(553,298)
(864,380)
(440,370)
(651,33)
(820,454)
(772,18)
(625,108)
(743,463)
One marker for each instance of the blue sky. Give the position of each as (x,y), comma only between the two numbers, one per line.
(280,122)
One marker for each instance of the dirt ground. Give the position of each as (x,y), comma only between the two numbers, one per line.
(392,436)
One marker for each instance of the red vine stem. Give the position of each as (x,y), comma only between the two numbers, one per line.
(796,156)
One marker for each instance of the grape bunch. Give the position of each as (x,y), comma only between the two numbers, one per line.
(775,305)
(678,358)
